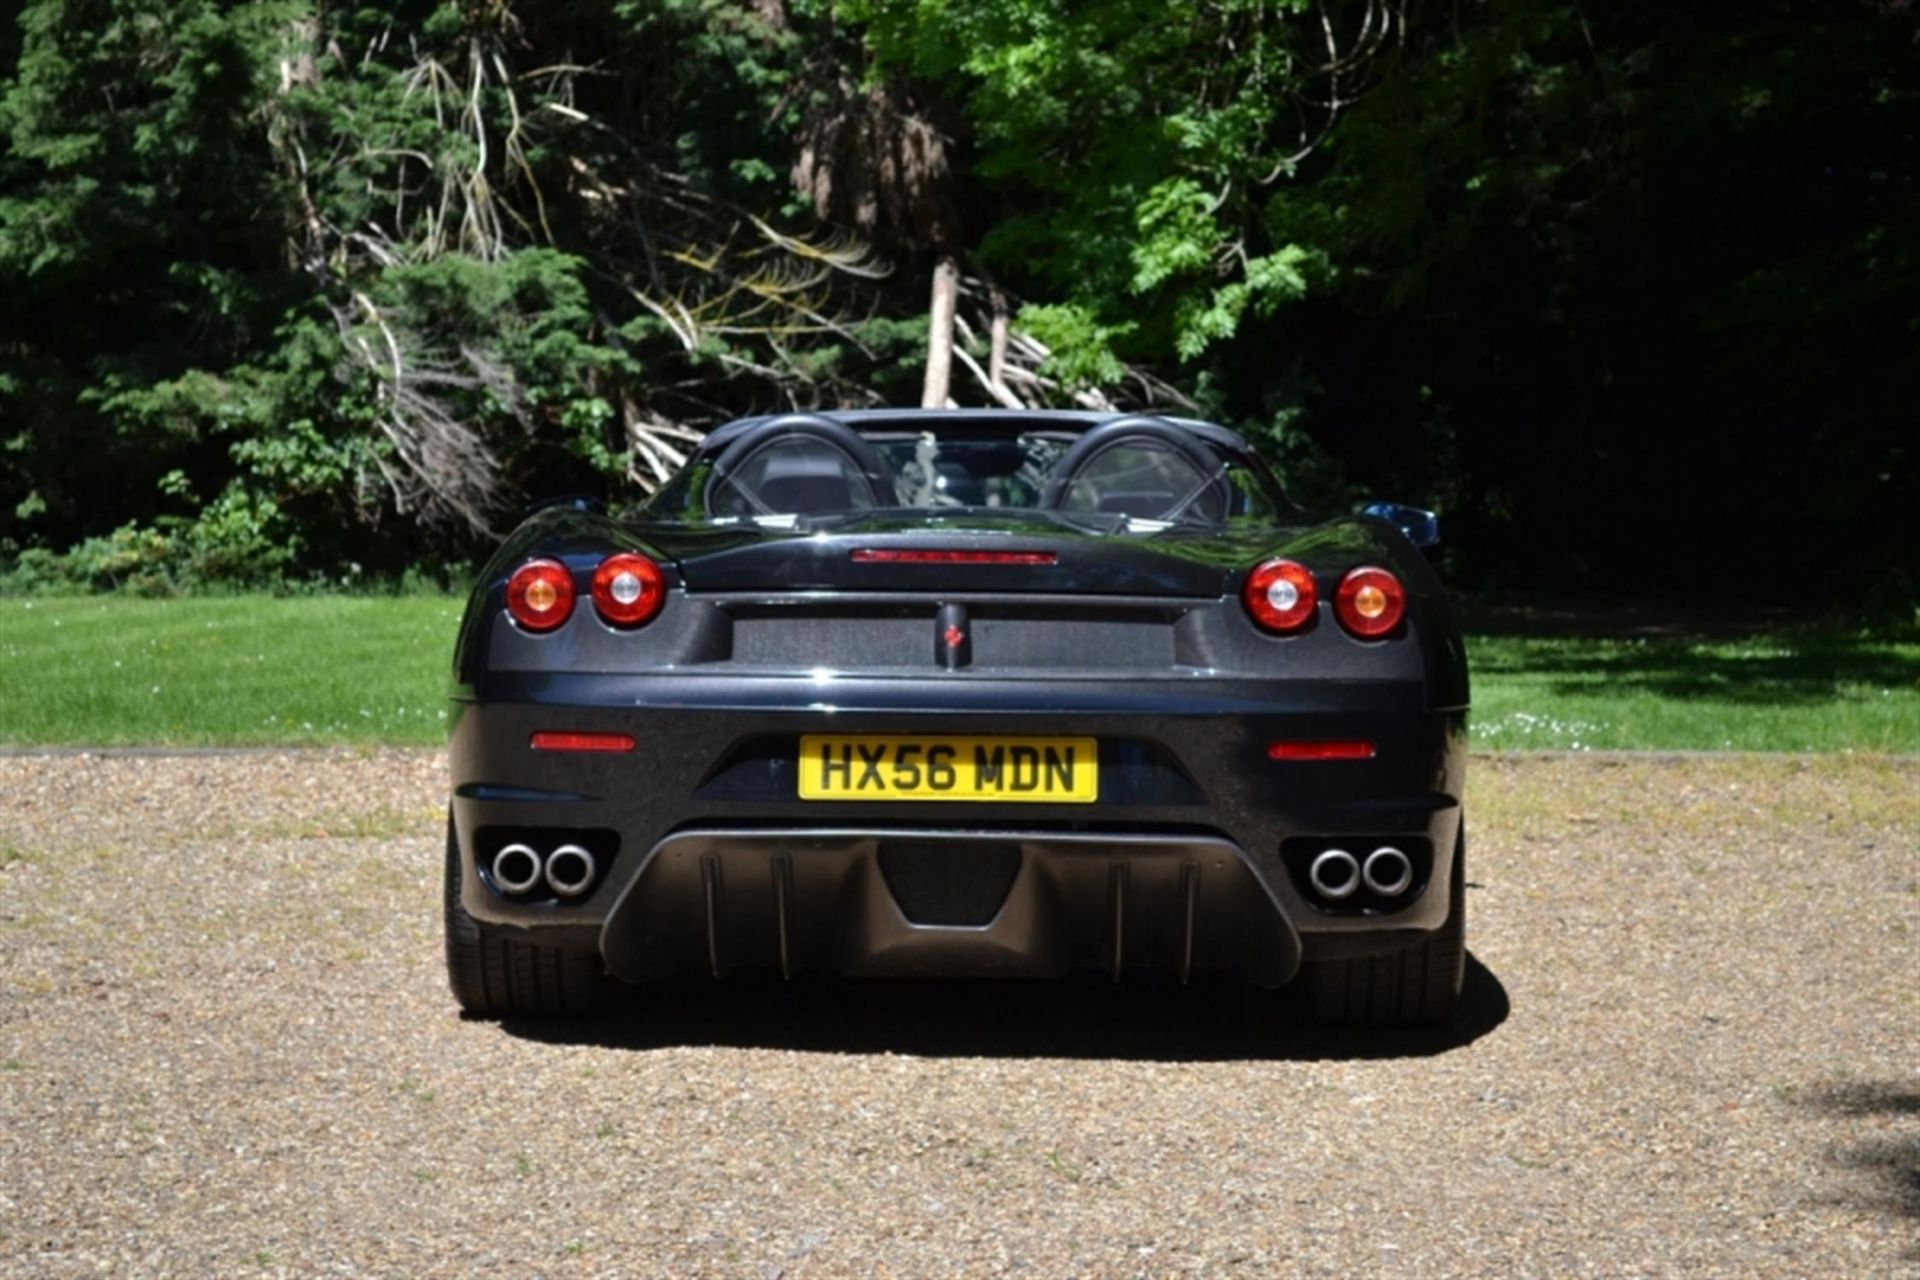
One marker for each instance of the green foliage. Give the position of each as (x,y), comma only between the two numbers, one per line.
(1641,283)
(738,106)
(358,286)
(1082,347)
(1142,145)
(238,539)
(133,118)
(127,182)
(287,288)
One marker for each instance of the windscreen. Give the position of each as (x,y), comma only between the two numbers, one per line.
(791,477)
(931,471)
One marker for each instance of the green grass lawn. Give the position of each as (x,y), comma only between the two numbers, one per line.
(106,671)
(1785,691)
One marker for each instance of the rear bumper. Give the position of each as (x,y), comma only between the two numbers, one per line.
(714,865)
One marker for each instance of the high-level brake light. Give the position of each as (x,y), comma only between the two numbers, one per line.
(924,555)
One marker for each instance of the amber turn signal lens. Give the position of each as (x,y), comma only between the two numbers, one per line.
(628,589)
(1370,602)
(540,595)
(1280,596)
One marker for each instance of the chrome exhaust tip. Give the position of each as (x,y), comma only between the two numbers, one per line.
(570,870)
(1388,871)
(1335,874)
(516,868)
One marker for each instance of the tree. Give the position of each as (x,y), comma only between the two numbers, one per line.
(287,287)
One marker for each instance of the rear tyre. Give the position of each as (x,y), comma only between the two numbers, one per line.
(494,977)
(1417,987)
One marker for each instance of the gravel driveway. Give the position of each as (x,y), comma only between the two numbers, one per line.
(1692,1044)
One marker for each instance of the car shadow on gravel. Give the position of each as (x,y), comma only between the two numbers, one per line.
(1892,1160)
(1075,1018)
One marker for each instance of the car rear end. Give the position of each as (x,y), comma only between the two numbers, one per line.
(901,747)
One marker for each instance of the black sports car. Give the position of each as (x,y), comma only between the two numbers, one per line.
(960,692)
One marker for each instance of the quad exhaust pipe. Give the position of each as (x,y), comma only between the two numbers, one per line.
(1335,874)
(1388,871)
(570,870)
(516,868)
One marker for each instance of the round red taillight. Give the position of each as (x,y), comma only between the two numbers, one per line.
(628,589)
(1370,602)
(1280,595)
(540,595)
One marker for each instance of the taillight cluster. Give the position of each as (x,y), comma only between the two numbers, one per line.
(1282,597)
(628,589)
(1370,602)
(540,595)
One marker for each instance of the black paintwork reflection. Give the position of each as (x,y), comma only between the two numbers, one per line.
(1151,653)
(1188,566)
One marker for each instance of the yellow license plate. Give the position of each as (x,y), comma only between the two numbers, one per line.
(914,767)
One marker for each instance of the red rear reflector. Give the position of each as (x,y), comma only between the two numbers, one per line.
(550,740)
(1341,749)
(910,555)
